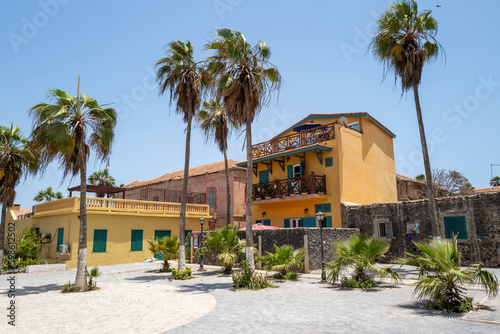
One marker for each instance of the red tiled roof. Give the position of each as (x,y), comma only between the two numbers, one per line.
(487,190)
(210,168)
(406,178)
(20,212)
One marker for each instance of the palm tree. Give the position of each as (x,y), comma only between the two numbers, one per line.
(441,279)
(183,78)
(403,43)
(420,177)
(102,179)
(284,260)
(360,252)
(226,244)
(67,130)
(167,247)
(244,79)
(47,195)
(17,156)
(495,181)
(213,120)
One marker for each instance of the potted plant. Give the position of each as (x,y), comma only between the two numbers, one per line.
(46,238)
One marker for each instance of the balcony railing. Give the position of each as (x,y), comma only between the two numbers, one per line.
(309,184)
(296,140)
(120,205)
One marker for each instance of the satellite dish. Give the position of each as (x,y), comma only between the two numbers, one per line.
(344,121)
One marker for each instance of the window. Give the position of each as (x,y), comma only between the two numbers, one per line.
(37,231)
(136,241)
(60,236)
(329,162)
(175,198)
(263,176)
(325,207)
(455,226)
(384,230)
(211,197)
(100,237)
(266,222)
(295,222)
(354,125)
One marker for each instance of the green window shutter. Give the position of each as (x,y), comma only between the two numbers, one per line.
(100,237)
(328,221)
(266,222)
(455,226)
(161,234)
(325,207)
(263,176)
(136,240)
(211,198)
(60,238)
(329,162)
(289,171)
(308,222)
(287,223)
(186,239)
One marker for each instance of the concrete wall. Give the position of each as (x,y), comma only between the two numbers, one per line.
(481,214)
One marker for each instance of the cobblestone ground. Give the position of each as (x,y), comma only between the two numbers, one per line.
(136,299)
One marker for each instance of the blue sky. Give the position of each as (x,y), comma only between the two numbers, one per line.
(319,48)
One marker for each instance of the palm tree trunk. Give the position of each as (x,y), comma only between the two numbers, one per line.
(81,275)
(228,189)
(436,233)
(182,222)
(2,230)
(248,199)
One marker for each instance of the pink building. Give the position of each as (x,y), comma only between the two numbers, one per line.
(206,185)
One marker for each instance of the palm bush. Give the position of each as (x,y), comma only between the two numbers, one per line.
(441,279)
(359,255)
(227,245)
(92,275)
(248,279)
(167,247)
(285,260)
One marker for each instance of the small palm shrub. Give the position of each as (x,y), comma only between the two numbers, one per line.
(167,247)
(226,244)
(366,283)
(285,261)
(68,287)
(182,275)
(441,279)
(92,275)
(248,279)
(358,256)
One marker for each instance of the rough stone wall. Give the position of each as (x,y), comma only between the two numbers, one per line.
(481,213)
(409,190)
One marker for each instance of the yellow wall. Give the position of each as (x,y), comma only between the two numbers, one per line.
(363,171)
(119,226)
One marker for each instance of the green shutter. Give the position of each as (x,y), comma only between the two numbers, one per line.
(455,226)
(329,162)
(136,240)
(328,221)
(308,222)
(211,198)
(325,207)
(161,234)
(100,237)
(263,176)
(287,223)
(60,238)
(266,222)
(289,171)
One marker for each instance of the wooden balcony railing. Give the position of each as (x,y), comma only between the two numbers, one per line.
(309,184)
(296,140)
(121,205)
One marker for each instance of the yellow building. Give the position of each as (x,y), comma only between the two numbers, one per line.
(319,162)
(117,229)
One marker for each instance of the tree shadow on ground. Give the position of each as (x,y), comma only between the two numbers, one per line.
(33,290)
(418,307)
(377,288)
(205,287)
(149,278)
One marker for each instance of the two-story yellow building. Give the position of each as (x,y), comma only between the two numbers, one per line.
(319,162)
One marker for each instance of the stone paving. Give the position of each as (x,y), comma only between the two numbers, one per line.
(134,298)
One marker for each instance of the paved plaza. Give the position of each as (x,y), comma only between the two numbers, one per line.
(135,298)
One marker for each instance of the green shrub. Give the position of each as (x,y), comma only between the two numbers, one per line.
(165,270)
(285,260)
(186,274)
(92,275)
(292,275)
(248,279)
(29,243)
(68,287)
(366,283)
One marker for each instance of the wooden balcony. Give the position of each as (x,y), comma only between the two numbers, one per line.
(309,184)
(120,205)
(296,140)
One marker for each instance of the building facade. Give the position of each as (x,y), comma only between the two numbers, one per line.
(319,162)
(206,185)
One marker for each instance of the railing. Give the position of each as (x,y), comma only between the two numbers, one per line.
(296,140)
(309,184)
(171,196)
(121,205)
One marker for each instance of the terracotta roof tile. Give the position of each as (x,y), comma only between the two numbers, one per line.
(210,168)
(487,190)
(406,178)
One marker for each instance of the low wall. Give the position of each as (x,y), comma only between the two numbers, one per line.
(42,268)
(482,217)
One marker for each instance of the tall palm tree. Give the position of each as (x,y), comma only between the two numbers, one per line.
(67,130)
(103,179)
(404,43)
(245,80)
(17,156)
(47,195)
(182,77)
(215,124)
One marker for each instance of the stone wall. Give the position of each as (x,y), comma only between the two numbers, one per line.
(481,212)
(410,189)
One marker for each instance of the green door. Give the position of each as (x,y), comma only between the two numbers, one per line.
(455,226)
(161,234)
